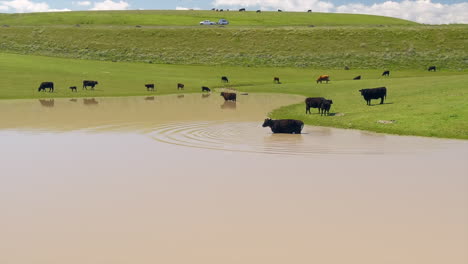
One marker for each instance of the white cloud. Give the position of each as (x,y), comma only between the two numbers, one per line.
(110,5)
(422,11)
(82,3)
(187,8)
(24,6)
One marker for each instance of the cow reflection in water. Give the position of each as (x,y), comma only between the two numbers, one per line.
(181,96)
(149,98)
(205,95)
(47,102)
(229,105)
(91,101)
(73,100)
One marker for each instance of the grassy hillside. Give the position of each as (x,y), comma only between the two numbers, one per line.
(365,47)
(422,103)
(192,18)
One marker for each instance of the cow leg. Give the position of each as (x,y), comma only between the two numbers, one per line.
(381,100)
(307,110)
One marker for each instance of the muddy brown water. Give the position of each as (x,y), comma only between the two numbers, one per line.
(169,179)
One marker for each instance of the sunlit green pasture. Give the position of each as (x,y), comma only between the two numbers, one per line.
(421,103)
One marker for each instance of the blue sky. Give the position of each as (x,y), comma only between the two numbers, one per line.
(422,11)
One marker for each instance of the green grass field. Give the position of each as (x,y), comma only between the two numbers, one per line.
(192,18)
(268,39)
(422,103)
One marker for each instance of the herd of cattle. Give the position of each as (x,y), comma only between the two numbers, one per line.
(289,126)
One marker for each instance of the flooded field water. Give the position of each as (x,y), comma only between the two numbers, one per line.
(191,179)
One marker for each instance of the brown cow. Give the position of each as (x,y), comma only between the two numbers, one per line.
(322,78)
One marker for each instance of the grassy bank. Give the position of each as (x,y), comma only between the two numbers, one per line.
(320,47)
(421,103)
(192,18)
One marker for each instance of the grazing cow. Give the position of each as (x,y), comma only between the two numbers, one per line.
(374,93)
(289,126)
(221,10)
(180,86)
(357,77)
(73,88)
(91,101)
(309,11)
(224,79)
(47,102)
(46,85)
(279,10)
(325,107)
(276,80)
(205,89)
(386,73)
(149,86)
(229,96)
(259,11)
(91,84)
(242,10)
(313,102)
(322,78)
(432,68)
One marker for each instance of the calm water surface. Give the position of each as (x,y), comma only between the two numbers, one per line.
(172,179)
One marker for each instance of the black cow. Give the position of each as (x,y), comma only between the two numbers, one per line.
(325,107)
(46,85)
(276,80)
(205,89)
(432,68)
(91,84)
(289,126)
(229,96)
(374,93)
(279,10)
(386,73)
(224,79)
(180,86)
(309,11)
(357,77)
(313,102)
(259,11)
(242,10)
(73,88)
(149,86)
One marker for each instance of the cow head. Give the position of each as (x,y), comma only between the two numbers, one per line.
(267,122)
(330,101)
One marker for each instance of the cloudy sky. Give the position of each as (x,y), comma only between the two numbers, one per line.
(423,11)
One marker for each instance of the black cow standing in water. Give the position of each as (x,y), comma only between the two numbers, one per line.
(374,93)
(91,84)
(431,68)
(224,79)
(288,126)
(386,73)
(46,85)
(229,96)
